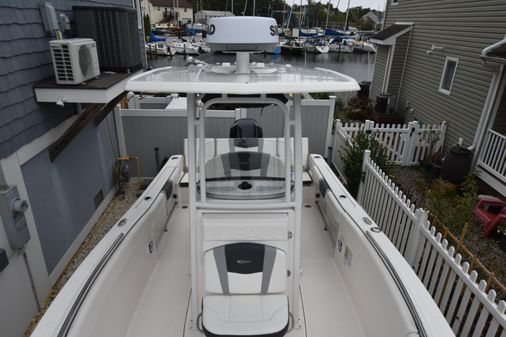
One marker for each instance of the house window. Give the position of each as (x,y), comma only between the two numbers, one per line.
(449,70)
(185,10)
(395,2)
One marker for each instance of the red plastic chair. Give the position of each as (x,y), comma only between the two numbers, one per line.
(490,212)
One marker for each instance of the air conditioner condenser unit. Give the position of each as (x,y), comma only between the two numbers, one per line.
(74,60)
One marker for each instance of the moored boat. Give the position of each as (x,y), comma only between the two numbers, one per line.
(342,46)
(162,48)
(185,48)
(244,235)
(292,46)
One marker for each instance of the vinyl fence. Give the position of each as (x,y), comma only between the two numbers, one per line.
(406,144)
(469,307)
(160,122)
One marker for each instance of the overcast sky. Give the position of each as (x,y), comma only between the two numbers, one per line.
(373,4)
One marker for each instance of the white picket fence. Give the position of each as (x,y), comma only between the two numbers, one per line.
(470,308)
(406,144)
(493,156)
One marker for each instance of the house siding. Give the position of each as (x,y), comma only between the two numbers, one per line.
(379,70)
(25,60)
(401,46)
(463,28)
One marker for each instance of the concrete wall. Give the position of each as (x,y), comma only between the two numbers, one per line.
(463,28)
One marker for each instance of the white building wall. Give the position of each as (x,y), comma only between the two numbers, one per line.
(156,13)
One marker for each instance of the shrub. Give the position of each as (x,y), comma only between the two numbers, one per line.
(352,157)
(358,110)
(451,205)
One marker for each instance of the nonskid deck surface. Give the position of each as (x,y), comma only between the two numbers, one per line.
(328,310)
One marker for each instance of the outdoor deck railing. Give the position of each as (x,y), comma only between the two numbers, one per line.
(493,157)
(406,144)
(469,307)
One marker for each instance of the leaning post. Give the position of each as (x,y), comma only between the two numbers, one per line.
(361,187)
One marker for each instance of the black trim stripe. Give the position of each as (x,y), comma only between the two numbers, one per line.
(87,286)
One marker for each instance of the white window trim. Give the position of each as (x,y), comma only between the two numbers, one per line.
(444,91)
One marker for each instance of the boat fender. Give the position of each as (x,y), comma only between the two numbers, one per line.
(167,188)
(323,186)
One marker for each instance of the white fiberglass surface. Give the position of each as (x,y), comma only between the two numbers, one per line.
(222,79)
(327,308)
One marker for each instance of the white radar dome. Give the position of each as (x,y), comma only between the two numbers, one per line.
(242,34)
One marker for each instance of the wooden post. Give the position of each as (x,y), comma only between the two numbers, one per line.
(361,187)
(490,280)
(414,238)
(463,234)
(473,261)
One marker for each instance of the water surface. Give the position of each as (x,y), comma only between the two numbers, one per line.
(358,66)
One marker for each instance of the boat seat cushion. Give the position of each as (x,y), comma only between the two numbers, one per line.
(245,268)
(245,315)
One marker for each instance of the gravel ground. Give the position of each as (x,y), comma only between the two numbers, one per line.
(113,212)
(414,182)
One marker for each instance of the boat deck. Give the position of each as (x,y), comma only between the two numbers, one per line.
(327,308)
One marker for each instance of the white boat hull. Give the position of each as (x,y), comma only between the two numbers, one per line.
(337,48)
(185,49)
(161,49)
(316,49)
(144,287)
(364,47)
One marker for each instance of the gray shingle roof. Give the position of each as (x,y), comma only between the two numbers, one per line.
(390,31)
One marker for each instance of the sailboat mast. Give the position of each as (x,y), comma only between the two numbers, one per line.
(254,7)
(300,14)
(346,21)
(232,7)
(284,11)
(328,12)
(289,17)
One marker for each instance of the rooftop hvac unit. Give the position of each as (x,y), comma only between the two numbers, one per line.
(74,60)
(116,32)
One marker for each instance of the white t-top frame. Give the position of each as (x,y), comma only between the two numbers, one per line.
(202,79)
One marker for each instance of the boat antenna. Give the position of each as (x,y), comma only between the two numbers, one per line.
(245,6)
(254,3)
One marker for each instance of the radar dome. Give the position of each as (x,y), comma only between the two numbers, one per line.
(242,34)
